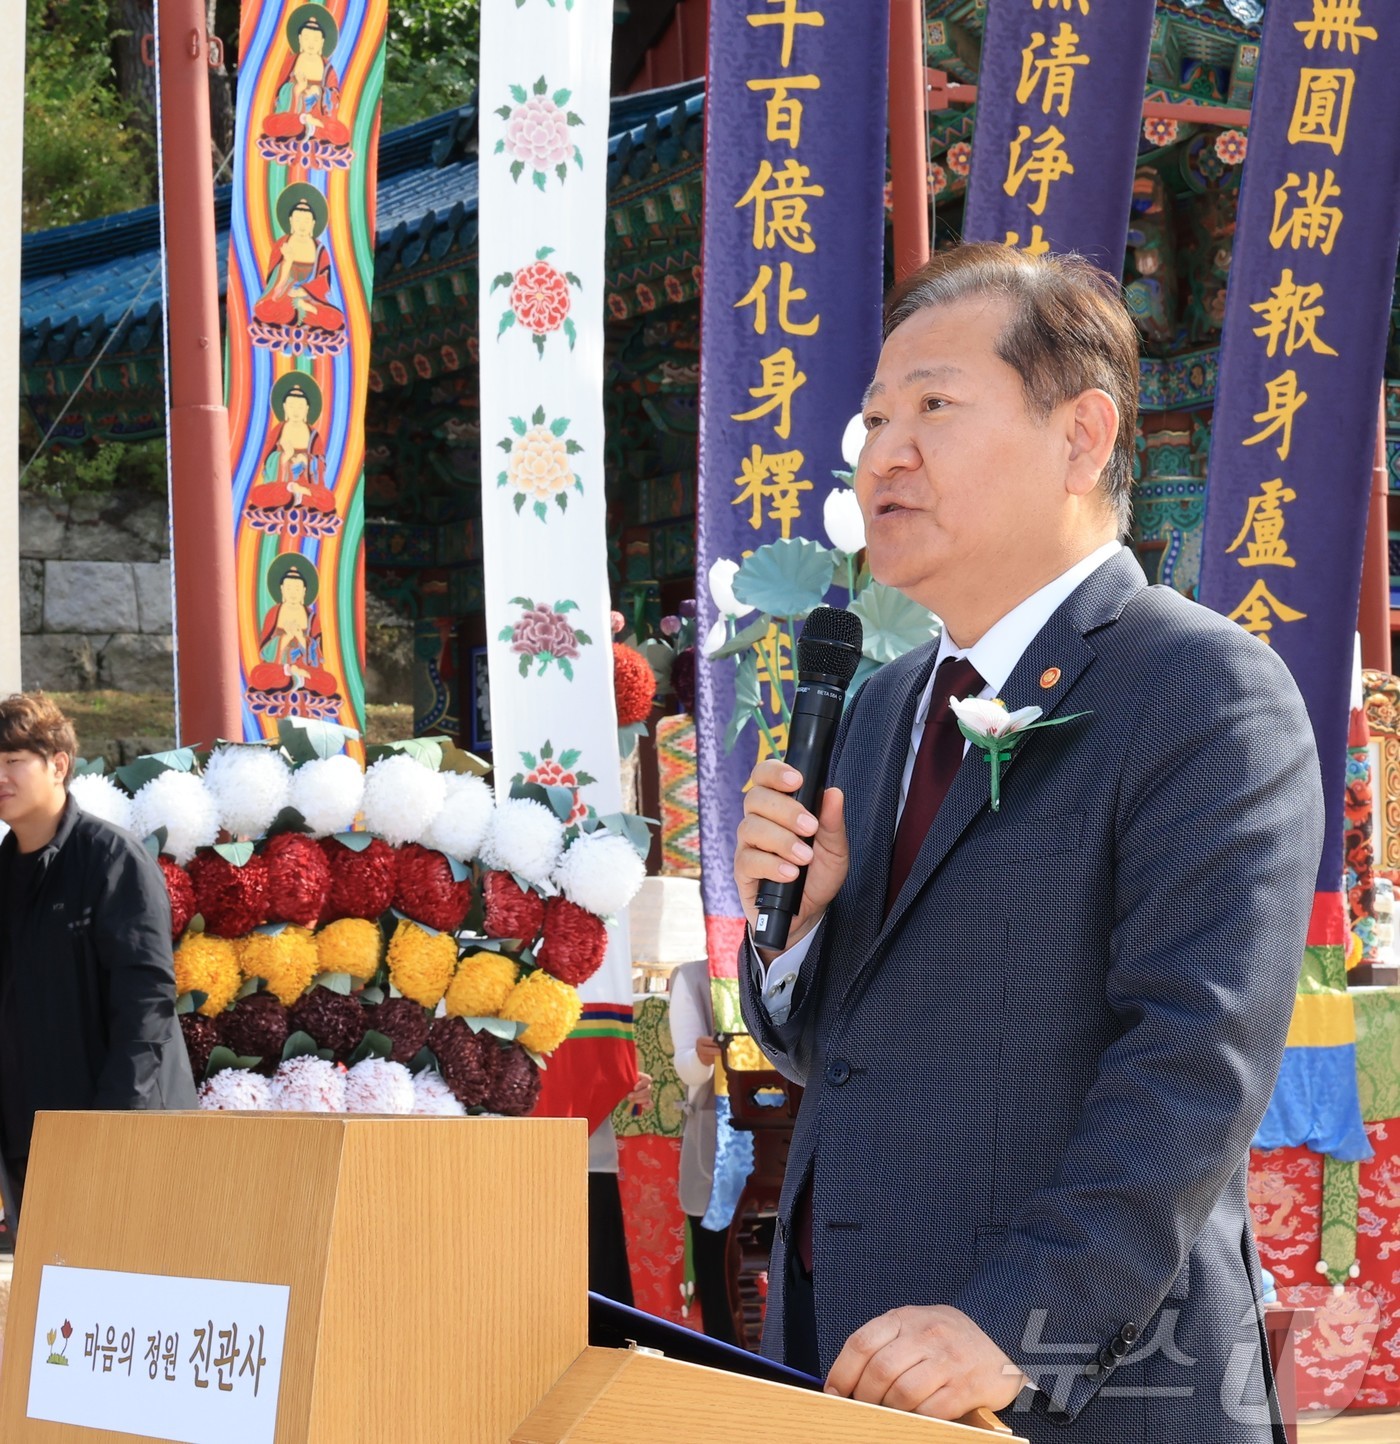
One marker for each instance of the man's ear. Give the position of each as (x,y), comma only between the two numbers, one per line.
(1093,421)
(63,767)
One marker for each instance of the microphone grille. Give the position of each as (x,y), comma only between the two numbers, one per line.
(830,643)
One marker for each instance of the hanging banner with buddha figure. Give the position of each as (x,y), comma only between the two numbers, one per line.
(793,266)
(1059,112)
(300,270)
(1302,356)
(545,72)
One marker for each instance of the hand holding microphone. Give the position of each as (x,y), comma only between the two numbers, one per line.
(791,856)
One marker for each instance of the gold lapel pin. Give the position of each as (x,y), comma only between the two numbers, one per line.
(1049,677)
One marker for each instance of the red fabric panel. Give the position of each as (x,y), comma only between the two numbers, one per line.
(649,1179)
(587,1078)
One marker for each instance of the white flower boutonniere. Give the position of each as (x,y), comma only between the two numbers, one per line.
(987,724)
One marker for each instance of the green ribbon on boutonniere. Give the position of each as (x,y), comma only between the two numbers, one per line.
(987,724)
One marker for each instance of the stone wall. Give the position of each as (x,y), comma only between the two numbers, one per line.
(95,593)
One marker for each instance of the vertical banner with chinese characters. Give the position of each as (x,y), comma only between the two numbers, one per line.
(1295,427)
(543,187)
(1059,112)
(300,274)
(793,257)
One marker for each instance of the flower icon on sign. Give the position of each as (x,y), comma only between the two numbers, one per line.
(52,1337)
(539,299)
(540,466)
(537,133)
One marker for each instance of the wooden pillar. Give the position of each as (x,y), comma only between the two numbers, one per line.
(208,695)
(908,137)
(1374,620)
(11,174)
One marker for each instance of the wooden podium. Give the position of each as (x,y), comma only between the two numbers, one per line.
(435,1276)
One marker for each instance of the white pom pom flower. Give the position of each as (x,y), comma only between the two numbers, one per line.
(526,838)
(375,1085)
(601,873)
(327,792)
(181,804)
(100,797)
(4,830)
(432,1098)
(308,1084)
(461,827)
(402,798)
(250,785)
(235,1090)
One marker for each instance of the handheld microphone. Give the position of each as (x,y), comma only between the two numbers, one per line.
(828,654)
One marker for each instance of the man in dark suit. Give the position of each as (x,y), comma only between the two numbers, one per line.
(87,981)
(1035,1042)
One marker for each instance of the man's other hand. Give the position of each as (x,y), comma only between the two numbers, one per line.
(932,1361)
(778,834)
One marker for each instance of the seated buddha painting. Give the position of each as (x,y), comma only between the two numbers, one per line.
(289,680)
(294,314)
(304,128)
(292,496)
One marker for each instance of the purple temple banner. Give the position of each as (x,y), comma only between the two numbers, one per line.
(793,272)
(1303,352)
(1059,112)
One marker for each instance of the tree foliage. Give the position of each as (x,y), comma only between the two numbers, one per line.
(431,65)
(83,157)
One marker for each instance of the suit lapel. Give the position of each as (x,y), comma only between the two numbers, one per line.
(1061,645)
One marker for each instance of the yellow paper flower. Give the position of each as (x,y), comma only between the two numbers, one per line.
(285,961)
(352,945)
(421,963)
(483,983)
(208,965)
(551,1008)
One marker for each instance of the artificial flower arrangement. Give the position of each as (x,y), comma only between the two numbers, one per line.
(394,939)
(778,584)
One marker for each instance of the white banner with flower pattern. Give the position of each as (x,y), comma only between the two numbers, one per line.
(545,70)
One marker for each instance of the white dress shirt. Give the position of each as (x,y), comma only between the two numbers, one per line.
(995,657)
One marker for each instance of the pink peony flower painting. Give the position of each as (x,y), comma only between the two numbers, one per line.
(537,133)
(544,635)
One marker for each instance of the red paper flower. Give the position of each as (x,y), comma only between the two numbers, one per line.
(461,1056)
(233,900)
(180,891)
(539,296)
(512,1079)
(425,891)
(511,912)
(575,942)
(634,685)
(334,1020)
(201,1038)
(298,879)
(404,1023)
(256,1027)
(362,883)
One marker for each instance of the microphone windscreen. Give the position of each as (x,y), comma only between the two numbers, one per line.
(830,643)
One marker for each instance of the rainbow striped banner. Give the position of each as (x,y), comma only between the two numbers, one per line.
(300,271)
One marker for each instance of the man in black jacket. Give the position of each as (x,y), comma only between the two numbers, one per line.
(87,980)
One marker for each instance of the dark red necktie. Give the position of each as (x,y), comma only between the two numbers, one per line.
(936,763)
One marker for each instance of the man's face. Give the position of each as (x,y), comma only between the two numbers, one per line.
(30,785)
(960,486)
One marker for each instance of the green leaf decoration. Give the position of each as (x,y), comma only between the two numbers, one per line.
(578,157)
(636,829)
(500,144)
(223,1058)
(517,425)
(306,738)
(457,759)
(524,667)
(570,331)
(573,280)
(628,736)
(572,447)
(97,767)
(372,996)
(582,638)
(537,416)
(249,988)
(299,1045)
(541,511)
(561,97)
(569,758)
(422,1061)
(529,759)
(786,578)
(355,841)
(517,167)
(567,667)
(539,180)
(237,853)
(288,820)
(541,85)
(518,91)
(574,119)
(155,843)
(562,501)
(559,425)
(523,602)
(135,775)
(893,624)
(565,606)
(333,983)
(543,252)
(507,321)
(539,345)
(372,1045)
(427,750)
(519,501)
(562,171)
(460,870)
(504,111)
(744,639)
(505,634)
